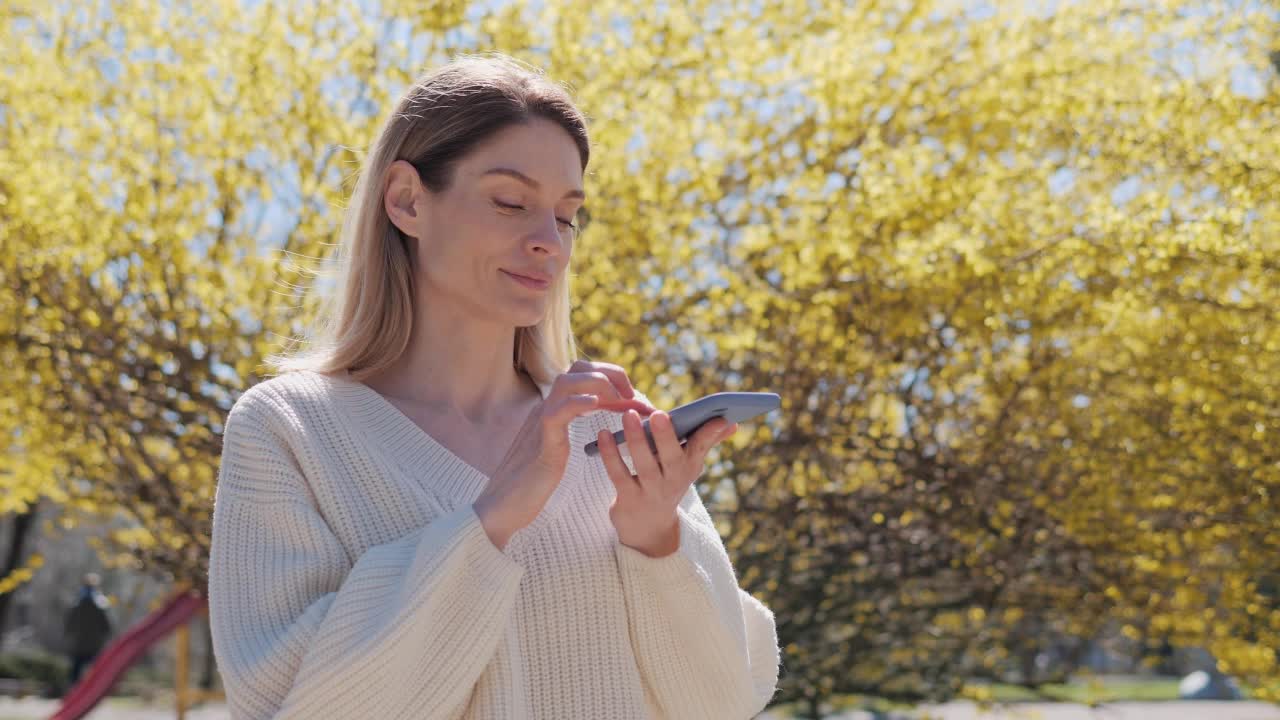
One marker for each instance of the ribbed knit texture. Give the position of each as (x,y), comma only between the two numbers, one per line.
(350,577)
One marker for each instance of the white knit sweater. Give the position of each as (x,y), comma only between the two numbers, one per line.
(350,577)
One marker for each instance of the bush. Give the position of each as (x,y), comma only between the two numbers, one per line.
(46,668)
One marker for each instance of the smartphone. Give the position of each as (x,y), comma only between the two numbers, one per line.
(734,406)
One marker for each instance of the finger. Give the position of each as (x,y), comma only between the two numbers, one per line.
(642,458)
(567,387)
(617,468)
(585,382)
(598,384)
(707,436)
(558,415)
(615,373)
(625,405)
(670,453)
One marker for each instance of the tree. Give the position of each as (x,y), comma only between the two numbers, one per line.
(1013,275)
(1015,279)
(143,234)
(15,570)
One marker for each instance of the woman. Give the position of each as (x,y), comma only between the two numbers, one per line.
(406,525)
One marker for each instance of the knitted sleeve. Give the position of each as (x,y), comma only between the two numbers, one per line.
(706,648)
(302,630)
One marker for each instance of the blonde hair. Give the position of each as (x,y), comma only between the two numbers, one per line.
(364,325)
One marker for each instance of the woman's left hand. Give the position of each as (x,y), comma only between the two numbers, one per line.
(644,511)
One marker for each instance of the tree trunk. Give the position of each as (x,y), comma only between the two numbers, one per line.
(22,525)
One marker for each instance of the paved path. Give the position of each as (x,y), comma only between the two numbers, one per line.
(124,709)
(1185,710)
(109,709)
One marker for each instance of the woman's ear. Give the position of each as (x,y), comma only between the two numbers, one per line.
(403,198)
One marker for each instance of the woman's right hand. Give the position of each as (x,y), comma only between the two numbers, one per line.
(535,463)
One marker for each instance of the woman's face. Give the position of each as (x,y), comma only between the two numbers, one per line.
(507,213)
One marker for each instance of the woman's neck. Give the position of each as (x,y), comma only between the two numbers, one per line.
(458,368)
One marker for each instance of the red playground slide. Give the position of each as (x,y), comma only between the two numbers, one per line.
(124,651)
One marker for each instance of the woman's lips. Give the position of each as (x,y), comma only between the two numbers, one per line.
(528,282)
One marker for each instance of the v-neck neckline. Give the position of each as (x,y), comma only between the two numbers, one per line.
(414,448)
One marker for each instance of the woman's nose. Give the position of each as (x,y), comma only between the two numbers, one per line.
(549,235)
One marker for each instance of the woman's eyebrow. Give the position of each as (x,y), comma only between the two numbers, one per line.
(510,172)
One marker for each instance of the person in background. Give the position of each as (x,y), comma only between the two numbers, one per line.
(87,626)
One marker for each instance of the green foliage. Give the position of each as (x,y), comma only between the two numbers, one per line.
(45,668)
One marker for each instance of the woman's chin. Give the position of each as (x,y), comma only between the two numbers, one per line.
(527,314)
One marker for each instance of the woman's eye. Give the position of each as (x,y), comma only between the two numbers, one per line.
(508,206)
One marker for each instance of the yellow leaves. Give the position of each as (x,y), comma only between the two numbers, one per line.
(1241,657)
(981,694)
(16,498)
(136,537)
(886,414)
(970,250)
(14,579)
(861,474)
(799,484)
(245,367)
(1146,564)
